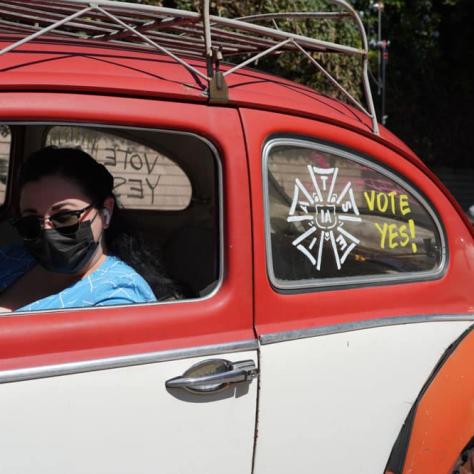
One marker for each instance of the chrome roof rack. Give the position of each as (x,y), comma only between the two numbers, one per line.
(184,34)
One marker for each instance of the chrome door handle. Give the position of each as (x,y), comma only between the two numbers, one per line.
(213,375)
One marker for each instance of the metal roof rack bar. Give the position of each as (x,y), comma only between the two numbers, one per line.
(182,35)
(332,80)
(294,15)
(19,11)
(45,30)
(258,56)
(12,27)
(153,43)
(319,45)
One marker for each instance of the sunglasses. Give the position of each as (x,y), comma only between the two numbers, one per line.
(65,222)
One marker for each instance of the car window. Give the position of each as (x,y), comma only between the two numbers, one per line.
(149,185)
(336,218)
(5,144)
(145,178)
(160,232)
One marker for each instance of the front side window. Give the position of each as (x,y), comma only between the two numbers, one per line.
(334,218)
(162,242)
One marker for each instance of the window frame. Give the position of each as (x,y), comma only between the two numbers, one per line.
(48,125)
(303,286)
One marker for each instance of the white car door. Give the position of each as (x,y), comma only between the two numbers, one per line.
(352,305)
(88,391)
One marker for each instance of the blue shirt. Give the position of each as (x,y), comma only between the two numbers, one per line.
(113,283)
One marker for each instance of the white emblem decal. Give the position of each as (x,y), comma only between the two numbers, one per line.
(326,222)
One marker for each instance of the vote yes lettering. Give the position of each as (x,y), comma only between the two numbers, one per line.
(397,205)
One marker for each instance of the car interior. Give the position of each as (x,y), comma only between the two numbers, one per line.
(167,184)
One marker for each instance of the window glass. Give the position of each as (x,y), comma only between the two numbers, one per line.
(151,256)
(334,218)
(144,177)
(5,144)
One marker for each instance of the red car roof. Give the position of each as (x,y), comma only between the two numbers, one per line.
(78,68)
(74,67)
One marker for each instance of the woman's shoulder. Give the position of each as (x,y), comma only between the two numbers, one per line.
(118,281)
(113,283)
(115,268)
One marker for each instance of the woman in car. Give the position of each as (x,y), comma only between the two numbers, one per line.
(73,252)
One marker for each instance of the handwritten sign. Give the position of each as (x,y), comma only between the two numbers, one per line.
(394,204)
(143,177)
(122,161)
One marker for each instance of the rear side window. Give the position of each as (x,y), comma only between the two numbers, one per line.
(334,218)
(5,145)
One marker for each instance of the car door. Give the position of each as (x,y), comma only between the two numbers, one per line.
(362,271)
(86,390)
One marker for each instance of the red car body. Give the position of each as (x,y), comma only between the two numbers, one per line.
(46,82)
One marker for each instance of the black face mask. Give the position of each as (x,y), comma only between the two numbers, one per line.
(63,253)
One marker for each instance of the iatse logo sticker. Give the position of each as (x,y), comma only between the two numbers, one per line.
(323,212)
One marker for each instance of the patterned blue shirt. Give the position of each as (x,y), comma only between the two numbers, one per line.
(113,283)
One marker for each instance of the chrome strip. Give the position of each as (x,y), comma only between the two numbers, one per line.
(275,337)
(18,375)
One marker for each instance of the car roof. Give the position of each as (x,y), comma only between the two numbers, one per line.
(81,68)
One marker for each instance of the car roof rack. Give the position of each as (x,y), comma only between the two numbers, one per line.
(183,35)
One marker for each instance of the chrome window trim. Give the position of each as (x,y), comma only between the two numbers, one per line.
(46,371)
(285,336)
(338,282)
(220,191)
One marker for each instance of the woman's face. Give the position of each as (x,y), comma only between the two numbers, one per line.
(52,194)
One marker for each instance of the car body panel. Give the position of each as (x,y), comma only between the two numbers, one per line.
(341,366)
(178,325)
(335,403)
(123,420)
(78,68)
(444,415)
(279,312)
(79,370)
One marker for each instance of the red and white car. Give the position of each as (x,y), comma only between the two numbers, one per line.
(326,323)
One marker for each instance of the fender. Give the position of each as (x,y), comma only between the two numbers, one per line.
(441,422)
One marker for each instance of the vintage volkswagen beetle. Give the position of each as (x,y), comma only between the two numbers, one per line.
(325,324)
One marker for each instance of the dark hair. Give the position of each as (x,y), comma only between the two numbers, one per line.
(73,164)
(97,183)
